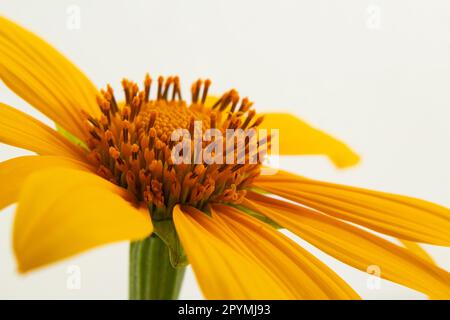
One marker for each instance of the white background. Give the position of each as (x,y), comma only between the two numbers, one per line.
(373,73)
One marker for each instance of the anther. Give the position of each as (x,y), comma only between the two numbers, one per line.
(104,172)
(88,117)
(147,85)
(217,103)
(195,90)
(156,168)
(131,181)
(160,86)
(205,90)
(227,99)
(244,104)
(176,89)
(234,102)
(191,126)
(105,107)
(258,122)
(151,121)
(109,137)
(126,90)
(167,87)
(125,130)
(135,107)
(148,196)
(99,100)
(126,113)
(95,158)
(212,121)
(250,116)
(91,129)
(144,177)
(112,99)
(134,151)
(134,89)
(152,135)
(115,154)
(199,170)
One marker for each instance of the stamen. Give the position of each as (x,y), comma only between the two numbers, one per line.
(205,90)
(249,118)
(151,121)
(125,130)
(160,85)
(195,90)
(212,120)
(217,103)
(126,90)
(258,122)
(226,100)
(126,113)
(176,89)
(134,151)
(112,99)
(91,129)
(167,87)
(147,84)
(191,126)
(135,107)
(109,137)
(152,135)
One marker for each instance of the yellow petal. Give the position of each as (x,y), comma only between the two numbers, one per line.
(296,137)
(39,74)
(222,271)
(20,130)
(14,173)
(62,212)
(399,216)
(417,249)
(299,271)
(355,246)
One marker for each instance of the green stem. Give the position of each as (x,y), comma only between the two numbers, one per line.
(152,277)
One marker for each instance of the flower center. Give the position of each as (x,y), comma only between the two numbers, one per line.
(132,144)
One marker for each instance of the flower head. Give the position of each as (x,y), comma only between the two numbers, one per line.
(131,144)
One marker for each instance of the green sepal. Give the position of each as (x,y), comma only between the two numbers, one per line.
(71,137)
(258,190)
(165,229)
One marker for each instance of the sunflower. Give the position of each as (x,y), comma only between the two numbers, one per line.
(107,174)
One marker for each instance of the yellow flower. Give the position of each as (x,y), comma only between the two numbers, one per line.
(112,179)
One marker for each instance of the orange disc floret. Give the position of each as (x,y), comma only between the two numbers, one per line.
(132,144)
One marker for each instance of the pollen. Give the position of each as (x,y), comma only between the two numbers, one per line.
(131,144)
